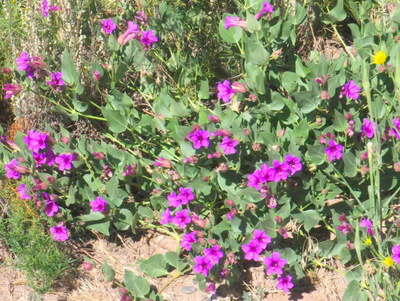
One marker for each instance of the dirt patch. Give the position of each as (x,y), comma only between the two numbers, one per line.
(125,253)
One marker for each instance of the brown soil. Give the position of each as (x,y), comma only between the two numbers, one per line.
(124,255)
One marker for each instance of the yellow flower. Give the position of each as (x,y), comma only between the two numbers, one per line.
(388,261)
(379,58)
(368,241)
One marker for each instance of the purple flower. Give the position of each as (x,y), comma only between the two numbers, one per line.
(228,145)
(214,254)
(345,228)
(11,170)
(23,61)
(59,233)
(261,238)
(186,195)
(187,240)
(225,91)
(203,265)
(22,192)
(266,8)
(368,128)
(252,250)
(51,208)
(367,223)
(108,26)
(350,90)
(200,138)
(181,218)
(285,283)
(278,171)
(234,21)
(47,157)
(396,131)
(45,8)
(56,80)
(334,151)
(64,161)
(148,38)
(174,199)
(294,164)
(98,205)
(274,264)
(129,170)
(141,17)
(36,141)
(11,90)
(396,253)
(166,217)
(97,75)
(132,32)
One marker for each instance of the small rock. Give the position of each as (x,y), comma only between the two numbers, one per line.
(188,289)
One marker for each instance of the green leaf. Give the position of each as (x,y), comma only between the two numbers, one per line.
(145,212)
(155,266)
(108,271)
(68,70)
(172,258)
(231,35)
(252,23)
(300,132)
(290,81)
(316,153)
(117,121)
(259,56)
(335,15)
(350,165)
(306,101)
(340,123)
(137,285)
(310,218)
(103,227)
(204,92)
(354,292)
(124,219)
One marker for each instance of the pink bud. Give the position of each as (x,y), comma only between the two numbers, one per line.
(21,160)
(239,87)
(198,221)
(99,156)
(123,290)
(256,146)
(325,95)
(396,167)
(212,241)
(278,219)
(230,203)
(6,70)
(246,132)
(87,265)
(64,139)
(214,118)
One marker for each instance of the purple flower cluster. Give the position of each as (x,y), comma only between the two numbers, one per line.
(256,246)
(14,170)
(31,65)
(367,223)
(212,256)
(146,37)
(184,196)
(178,218)
(345,227)
(276,173)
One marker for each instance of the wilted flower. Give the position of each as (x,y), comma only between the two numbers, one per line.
(22,192)
(132,32)
(11,90)
(97,75)
(141,17)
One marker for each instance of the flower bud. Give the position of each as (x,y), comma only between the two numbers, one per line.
(396,167)
(224,273)
(253,97)
(97,75)
(162,162)
(239,87)
(223,167)
(64,139)
(123,290)
(276,54)
(256,146)
(198,221)
(6,70)
(99,155)
(364,169)
(21,160)
(212,241)
(278,219)
(210,287)
(325,95)
(87,265)
(246,132)
(199,234)
(230,203)
(214,118)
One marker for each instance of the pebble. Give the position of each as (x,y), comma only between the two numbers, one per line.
(188,289)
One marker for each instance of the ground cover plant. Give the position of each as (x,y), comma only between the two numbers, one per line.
(242,151)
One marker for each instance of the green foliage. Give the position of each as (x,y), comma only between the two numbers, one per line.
(26,236)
